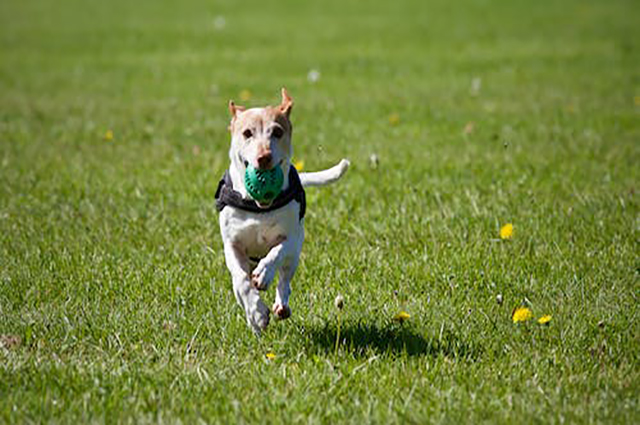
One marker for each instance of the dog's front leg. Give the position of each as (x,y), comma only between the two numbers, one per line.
(265,271)
(248,297)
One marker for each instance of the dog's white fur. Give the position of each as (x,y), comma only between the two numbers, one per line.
(262,137)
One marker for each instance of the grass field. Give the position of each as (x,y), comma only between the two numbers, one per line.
(116,306)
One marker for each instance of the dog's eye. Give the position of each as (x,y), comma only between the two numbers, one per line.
(277,132)
(247,134)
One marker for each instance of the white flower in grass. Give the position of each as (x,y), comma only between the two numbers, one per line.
(374,161)
(313,76)
(219,22)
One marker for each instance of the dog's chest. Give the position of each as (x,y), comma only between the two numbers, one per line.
(258,233)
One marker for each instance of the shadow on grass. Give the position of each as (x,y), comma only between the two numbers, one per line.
(362,338)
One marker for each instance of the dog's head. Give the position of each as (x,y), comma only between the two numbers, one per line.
(261,136)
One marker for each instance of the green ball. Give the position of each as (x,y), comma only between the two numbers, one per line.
(263,185)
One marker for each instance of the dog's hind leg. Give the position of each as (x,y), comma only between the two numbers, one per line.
(281,307)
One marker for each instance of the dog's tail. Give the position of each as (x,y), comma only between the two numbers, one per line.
(321,178)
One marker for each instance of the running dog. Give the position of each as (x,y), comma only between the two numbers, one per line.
(264,237)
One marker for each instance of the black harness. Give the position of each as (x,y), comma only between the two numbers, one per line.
(225,195)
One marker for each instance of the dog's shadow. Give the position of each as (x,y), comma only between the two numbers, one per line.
(362,338)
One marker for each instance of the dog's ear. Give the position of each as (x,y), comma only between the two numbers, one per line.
(286,104)
(234,109)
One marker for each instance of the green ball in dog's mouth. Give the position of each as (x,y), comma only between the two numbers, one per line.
(263,185)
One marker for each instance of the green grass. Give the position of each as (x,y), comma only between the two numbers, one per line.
(111,271)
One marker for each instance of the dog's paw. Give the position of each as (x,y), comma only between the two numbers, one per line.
(262,276)
(281,311)
(259,318)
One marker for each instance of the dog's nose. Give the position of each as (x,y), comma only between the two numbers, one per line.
(264,160)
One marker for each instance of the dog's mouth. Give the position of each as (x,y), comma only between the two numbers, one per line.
(246,163)
(264,205)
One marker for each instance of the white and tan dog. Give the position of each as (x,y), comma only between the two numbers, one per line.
(262,239)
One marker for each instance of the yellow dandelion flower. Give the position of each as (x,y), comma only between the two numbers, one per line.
(636,100)
(394,119)
(245,95)
(521,314)
(108,135)
(544,320)
(270,355)
(506,231)
(299,165)
(401,316)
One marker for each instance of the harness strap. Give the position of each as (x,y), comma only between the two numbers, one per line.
(225,195)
